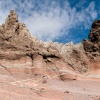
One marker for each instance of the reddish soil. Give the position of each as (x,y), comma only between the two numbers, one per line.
(42,88)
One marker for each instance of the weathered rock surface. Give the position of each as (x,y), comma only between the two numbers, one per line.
(93,44)
(50,58)
(26,61)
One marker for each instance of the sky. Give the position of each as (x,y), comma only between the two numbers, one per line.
(57,20)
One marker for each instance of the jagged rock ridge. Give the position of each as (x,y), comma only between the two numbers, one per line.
(93,44)
(48,58)
(34,70)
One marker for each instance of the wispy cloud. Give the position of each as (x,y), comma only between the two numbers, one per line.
(49,19)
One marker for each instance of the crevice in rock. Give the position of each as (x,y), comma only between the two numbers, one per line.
(48,58)
(31,56)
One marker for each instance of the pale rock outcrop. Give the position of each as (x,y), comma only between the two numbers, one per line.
(34,70)
(28,55)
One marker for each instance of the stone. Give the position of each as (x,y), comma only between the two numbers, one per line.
(47,57)
(26,63)
(93,44)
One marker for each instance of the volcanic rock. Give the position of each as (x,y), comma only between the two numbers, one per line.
(48,58)
(28,63)
(93,44)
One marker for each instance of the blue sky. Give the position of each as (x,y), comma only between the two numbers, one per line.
(57,20)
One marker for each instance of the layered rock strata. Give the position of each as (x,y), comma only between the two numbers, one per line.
(20,53)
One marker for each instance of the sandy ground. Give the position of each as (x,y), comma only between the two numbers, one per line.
(42,88)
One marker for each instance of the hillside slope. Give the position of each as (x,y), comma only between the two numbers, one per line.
(29,63)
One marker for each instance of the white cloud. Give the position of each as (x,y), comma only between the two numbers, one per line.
(48,20)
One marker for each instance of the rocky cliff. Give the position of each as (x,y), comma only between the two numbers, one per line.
(22,53)
(34,70)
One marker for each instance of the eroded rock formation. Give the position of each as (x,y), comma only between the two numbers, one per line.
(22,53)
(92,46)
(34,70)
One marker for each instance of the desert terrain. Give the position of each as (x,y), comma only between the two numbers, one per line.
(34,70)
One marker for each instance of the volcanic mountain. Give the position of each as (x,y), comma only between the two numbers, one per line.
(34,70)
